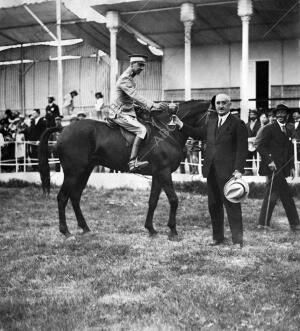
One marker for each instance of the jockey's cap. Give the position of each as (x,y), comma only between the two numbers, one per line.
(138,58)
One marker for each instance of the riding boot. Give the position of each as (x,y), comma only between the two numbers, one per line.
(134,163)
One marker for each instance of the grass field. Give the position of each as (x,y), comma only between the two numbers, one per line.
(117,278)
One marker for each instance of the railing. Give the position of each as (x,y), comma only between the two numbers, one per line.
(196,167)
(22,162)
(21,159)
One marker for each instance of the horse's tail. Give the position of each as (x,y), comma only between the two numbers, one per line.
(43,159)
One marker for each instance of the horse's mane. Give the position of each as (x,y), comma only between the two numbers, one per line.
(192,107)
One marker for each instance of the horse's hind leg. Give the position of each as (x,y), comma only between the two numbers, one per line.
(75,197)
(62,200)
(154,195)
(165,180)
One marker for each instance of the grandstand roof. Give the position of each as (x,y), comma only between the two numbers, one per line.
(216,20)
(158,21)
(17,26)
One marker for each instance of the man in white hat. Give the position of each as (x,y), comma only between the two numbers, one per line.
(224,157)
(123,110)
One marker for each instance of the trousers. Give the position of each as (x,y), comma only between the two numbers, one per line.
(216,203)
(280,189)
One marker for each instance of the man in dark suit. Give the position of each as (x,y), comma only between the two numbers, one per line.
(276,150)
(224,157)
(37,127)
(52,111)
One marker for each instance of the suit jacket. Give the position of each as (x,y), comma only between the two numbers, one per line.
(226,147)
(253,132)
(52,111)
(127,95)
(276,146)
(36,130)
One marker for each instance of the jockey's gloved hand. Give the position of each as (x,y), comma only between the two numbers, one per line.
(160,106)
(177,121)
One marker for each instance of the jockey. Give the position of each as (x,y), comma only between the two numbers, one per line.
(123,109)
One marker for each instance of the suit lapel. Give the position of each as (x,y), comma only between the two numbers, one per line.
(224,127)
(278,129)
(214,125)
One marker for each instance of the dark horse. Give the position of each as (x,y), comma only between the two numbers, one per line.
(87,143)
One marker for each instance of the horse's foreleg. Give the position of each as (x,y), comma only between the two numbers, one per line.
(154,195)
(62,200)
(165,180)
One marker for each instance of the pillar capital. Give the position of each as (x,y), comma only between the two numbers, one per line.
(188,24)
(246,19)
(187,12)
(113,20)
(245,8)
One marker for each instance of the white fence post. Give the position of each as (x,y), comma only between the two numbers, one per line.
(16,155)
(200,163)
(24,156)
(296,158)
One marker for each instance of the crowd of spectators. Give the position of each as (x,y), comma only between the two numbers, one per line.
(16,129)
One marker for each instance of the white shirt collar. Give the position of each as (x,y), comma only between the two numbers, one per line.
(281,124)
(224,117)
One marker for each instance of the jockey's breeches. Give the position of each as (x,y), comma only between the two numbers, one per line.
(131,124)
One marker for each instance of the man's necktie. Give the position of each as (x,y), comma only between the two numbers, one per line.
(283,129)
(220,123)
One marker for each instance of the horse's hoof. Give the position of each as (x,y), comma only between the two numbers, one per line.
(70,238)
(67,234)
(153,233)
(85,231)
(173,236)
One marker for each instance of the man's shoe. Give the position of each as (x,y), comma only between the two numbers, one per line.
(295,228)
(237,245)
(135,165)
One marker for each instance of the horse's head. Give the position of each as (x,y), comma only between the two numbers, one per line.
(193,112)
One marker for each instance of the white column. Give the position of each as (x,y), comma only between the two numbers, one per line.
(59,57)
(113,23)
(187,16)
(245,11)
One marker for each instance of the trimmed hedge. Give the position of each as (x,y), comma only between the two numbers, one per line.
(18,183)
(197,187)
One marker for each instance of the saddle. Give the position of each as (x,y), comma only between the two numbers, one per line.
(127,135)
(143,116)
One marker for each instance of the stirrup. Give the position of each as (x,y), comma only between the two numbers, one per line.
(136,164)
